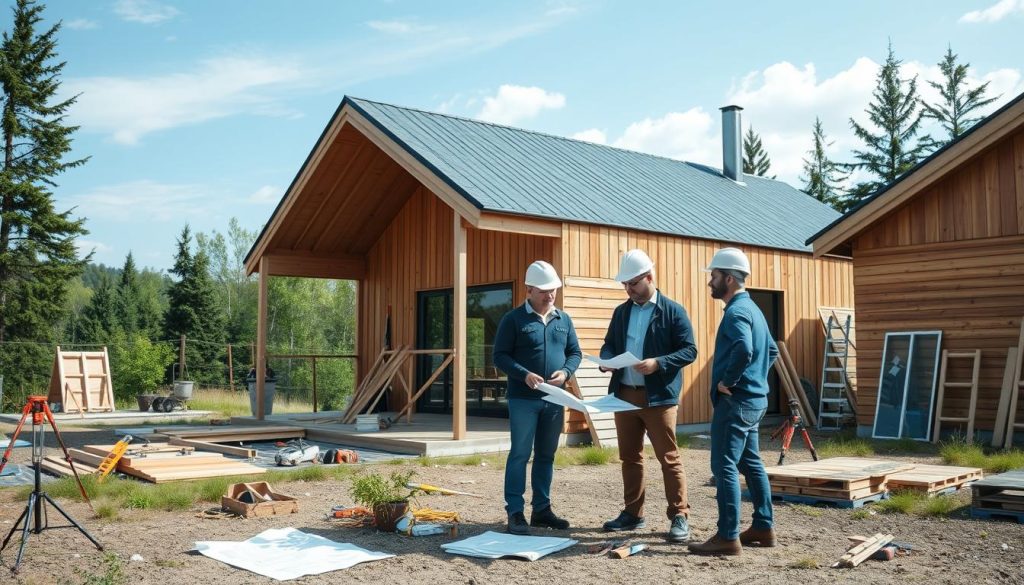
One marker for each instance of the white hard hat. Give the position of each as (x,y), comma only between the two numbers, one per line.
(730,259)
(634,263)
(543,276)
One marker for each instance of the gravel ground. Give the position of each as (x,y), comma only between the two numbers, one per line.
(950,550)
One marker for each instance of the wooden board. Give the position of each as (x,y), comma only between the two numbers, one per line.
(933,478)
(80,381)
(837,473)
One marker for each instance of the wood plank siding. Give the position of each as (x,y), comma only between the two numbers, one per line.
(591,258)
(414,253)
(952,259)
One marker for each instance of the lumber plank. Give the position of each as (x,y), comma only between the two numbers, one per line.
(214,447)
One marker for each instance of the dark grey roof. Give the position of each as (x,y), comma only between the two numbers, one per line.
(515,171)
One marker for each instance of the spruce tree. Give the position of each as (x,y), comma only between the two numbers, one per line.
(889,152)
(99,321)
(822,176)
(128,296)
(953,111)
(193,311)
(38,257)
(755,159)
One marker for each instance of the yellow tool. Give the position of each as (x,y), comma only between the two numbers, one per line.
(433,489)
(110,461)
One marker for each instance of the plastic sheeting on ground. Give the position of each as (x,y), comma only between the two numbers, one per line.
(495,545)
(287,553)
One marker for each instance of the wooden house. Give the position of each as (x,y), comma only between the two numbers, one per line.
(437,218)
(942,248)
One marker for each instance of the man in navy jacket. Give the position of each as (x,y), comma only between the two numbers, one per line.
(744,352)
(657,330)
(535,343)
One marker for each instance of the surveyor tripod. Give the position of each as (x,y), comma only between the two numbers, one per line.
(35,510)
(791,425)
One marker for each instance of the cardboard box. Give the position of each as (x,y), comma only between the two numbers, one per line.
(276,504)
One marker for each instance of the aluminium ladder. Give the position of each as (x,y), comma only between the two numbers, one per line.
(833,404)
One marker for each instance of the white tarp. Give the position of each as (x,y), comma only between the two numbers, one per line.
(623,360)
(287,553)
(607,403)
(495,545)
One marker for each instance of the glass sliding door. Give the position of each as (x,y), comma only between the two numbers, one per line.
(485,385)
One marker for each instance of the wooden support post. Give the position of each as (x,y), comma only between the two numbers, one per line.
(459,329)
(231,369)
(261,338)
(314,382)
(181,358)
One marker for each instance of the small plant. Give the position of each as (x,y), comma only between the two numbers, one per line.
(899,503)
(808,510)
(845,447)
(106,511)
(939,507)
(683,441)
(113,572)
(860,514)
(372,489)
(597,455)
(805,563)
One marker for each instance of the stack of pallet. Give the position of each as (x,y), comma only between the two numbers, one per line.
(1000,495)
(851,482)
(155,462)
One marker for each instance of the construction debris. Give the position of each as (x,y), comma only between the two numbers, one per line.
(859,553)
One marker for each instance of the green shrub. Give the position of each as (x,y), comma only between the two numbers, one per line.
(373,488)
(137,364)
(939,507)
(598,455)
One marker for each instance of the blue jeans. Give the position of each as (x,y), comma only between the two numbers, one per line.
(535,426)
(735,450)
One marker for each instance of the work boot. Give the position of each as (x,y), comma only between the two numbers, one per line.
(680,529)
(717,546)
(546,519)
(517,524)
(625,521)
(758,537)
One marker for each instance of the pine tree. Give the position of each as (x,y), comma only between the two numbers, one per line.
(128,296)
(822,176)
(38,257)
(193,311)
(958,102)
(755,159)
(99,321)
(894,112)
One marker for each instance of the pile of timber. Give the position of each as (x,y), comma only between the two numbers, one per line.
(155,462)
(1000,496)
(233,434)
(853,481)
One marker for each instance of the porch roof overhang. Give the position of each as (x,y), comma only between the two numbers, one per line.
(351,186)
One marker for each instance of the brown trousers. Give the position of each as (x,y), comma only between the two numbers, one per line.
(659,423)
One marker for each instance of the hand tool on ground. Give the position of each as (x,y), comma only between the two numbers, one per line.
(40,411)
(433,489)
(605,547)
(627,550)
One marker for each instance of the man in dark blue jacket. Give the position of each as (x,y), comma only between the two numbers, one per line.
(744,352)
(656,329)
(535,342)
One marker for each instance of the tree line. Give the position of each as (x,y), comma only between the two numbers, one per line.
(890,145)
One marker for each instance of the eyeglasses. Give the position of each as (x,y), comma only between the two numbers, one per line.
(636,281)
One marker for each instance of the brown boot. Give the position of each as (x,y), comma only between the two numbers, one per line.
(717,546)
(758,537)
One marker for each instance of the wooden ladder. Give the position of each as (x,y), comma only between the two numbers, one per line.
(1016,385)
(975,357)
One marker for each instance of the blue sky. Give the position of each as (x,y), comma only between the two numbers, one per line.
(198,111)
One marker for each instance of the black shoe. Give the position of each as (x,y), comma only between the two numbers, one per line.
(546,519)
(517,524)
(625,521)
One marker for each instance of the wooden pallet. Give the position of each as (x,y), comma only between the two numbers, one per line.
(1000,495)
(934,479)
(837,473)
(837,502)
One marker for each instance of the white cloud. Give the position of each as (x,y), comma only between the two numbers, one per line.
(398,27)
(217,88)
(265,194)
(85,247)
(81,24)
(685,135)
(592,135)
(144,11)
(160,202)
(514,103)
(994,13)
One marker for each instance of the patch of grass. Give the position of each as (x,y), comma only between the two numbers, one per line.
(683,441)
(474,460)
(598,455)
(106,510)
(228,402)
(113,572)
(807,510)
(844,446)
(211,490)
(170,496)
(860,514)
(140,500)
(805,563)
(958,452)
(902,502)
(939,507)
(903,445)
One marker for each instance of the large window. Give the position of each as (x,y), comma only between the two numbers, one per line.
(485,385)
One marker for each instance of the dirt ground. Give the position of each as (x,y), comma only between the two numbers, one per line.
(953,550)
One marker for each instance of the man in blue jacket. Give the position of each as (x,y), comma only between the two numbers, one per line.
(744,352)
(656,329)
(535,343)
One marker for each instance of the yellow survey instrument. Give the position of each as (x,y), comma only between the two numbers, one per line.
(110,461)
(433,489)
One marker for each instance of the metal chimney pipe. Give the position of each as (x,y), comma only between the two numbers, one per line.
(732,143)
